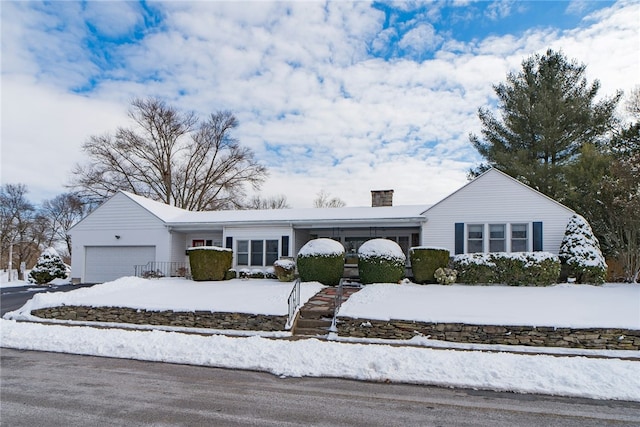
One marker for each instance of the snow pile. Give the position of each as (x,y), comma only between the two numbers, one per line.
(287,264)
(381,248)
(209,248)
(321,247)
(568,376)
(527,258)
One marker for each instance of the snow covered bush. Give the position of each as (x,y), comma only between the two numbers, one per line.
(321,260)
(209,262)
(381,261)
(285,269)
(49,266)
(445,276)
(580,253)
(515,268)
(230,274)
(425,262)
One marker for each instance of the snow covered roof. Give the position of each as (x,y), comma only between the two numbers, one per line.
(178,217)
(303,215)
(163,211)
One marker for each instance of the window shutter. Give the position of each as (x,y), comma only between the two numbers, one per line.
(229,242)
(537,236)
(285,246)
(459,238)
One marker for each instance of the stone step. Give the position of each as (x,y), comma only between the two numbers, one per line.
(315,314)
(313,323)
(311,332)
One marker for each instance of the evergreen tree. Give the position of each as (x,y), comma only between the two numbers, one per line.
(548,113)
(48,267)
(580,252)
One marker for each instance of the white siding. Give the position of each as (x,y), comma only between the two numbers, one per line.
(119,222)
(495,198)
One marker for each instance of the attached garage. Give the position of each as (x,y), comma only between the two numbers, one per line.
(106,263)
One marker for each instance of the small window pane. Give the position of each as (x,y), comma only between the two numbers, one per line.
(243,252)
(475,239)
(256,252)
(272,251)
(519,238)
(496,238)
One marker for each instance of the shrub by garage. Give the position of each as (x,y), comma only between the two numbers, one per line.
(321,260)
(425,261)
(209,262)
(381,261)
(516,268)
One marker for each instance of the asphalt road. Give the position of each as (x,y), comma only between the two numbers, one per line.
(52,389)
(14,298)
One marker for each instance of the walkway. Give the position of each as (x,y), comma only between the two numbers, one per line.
(316,316)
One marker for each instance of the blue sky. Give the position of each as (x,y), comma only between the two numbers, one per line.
(344,97)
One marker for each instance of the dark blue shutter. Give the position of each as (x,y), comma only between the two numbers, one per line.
(229,242)
(459,238)
(537,236)
(285,246)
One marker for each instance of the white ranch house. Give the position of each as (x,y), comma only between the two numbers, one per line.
(494,212)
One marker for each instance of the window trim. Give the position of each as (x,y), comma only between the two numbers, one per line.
(520,239)
(503,239)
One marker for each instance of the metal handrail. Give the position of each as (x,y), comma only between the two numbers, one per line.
(157,269)
(294,304)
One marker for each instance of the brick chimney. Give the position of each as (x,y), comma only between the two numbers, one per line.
(381,198)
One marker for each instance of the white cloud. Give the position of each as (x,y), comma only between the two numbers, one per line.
(423,38)
(315,106)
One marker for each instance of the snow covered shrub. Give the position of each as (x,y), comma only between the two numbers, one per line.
(257,273)
(321,260)
(580,253)
(49,266)
(230,274)
(285,269)
(270,273)
(445,276)
(515,268)
(425,262)
(380,261)
(209,262)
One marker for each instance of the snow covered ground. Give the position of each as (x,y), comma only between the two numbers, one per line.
(563,305)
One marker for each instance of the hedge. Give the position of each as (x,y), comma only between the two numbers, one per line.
(425,262)
(209,262)
(517,268)
(321,260)
(380,261)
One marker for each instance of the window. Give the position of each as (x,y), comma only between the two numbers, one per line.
(496,238)
(197,243)
(475,238)
(256,252)
(271,251)
(243,252)
(519,238)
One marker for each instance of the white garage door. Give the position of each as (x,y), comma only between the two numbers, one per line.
(105,263)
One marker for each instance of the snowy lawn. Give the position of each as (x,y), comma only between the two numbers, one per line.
(612,305)
(562,305)
(253,296)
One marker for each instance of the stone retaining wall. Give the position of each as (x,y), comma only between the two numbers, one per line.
(189,319)
(592,338)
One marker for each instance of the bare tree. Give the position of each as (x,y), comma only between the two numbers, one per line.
(172,157)
(62,212)
(632,104)
(19,238)
(324,200)
(274,202)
